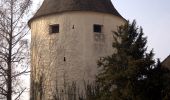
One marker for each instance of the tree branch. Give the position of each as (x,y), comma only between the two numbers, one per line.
(23,72)
(17,98)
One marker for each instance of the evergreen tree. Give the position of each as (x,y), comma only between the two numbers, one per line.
(157,84)
(123,73)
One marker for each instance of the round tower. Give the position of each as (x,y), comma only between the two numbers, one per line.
(68,37)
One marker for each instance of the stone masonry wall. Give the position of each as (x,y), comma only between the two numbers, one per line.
(70,55)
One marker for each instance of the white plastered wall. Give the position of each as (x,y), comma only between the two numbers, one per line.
(79,46)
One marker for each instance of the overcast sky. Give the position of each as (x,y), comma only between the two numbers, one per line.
(154,17)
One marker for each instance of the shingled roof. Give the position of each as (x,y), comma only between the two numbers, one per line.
(166,62)
(58,6)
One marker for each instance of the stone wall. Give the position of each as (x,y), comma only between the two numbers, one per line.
(70,55)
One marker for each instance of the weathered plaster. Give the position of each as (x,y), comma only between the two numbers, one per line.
(80,46)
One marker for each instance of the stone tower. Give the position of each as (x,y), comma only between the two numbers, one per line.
(68,37)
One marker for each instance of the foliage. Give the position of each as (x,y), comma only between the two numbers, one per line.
(156,86)
(130,72)
(72,92)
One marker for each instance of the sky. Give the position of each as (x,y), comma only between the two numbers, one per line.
(154,17)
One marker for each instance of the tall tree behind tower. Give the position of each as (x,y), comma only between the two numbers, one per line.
(12,46)
(123,73)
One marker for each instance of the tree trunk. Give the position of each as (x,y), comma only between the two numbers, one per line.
(9,83)
(9,79)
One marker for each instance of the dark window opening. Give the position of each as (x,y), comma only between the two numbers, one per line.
(54,28)
(73,27)
(97,28)
(64,59)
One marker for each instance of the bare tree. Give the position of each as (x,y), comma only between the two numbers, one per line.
(13,29)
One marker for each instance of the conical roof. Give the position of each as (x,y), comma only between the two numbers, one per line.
(58,6)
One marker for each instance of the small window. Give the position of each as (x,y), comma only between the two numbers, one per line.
(64,59)
(97,28)
(54,28)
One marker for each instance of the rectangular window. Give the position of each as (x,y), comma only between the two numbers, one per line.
(97,28)
(54,28)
